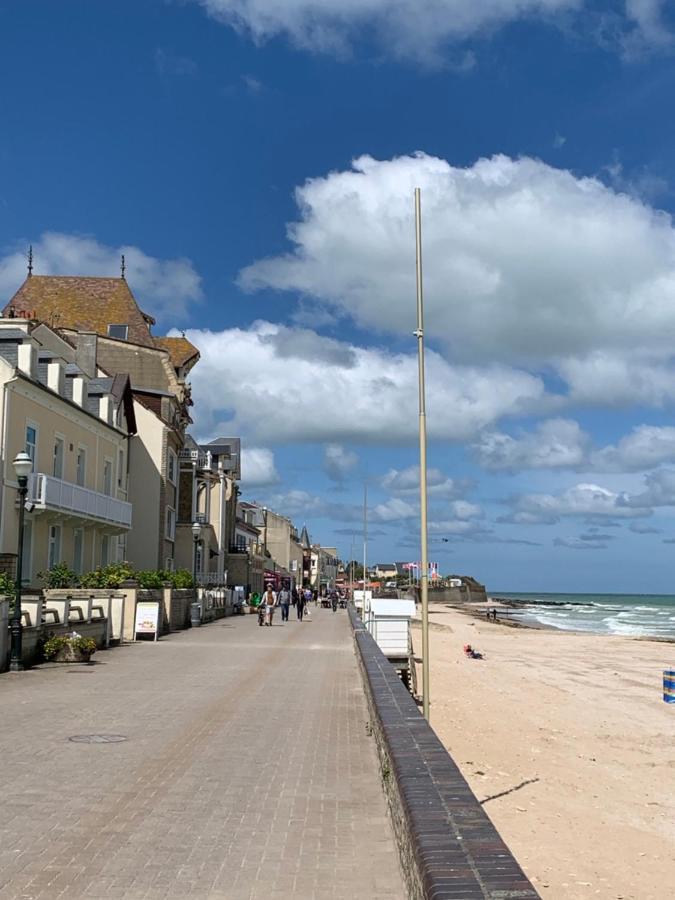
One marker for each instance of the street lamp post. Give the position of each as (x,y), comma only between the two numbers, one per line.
(23,466)
(265,538)
(196,534)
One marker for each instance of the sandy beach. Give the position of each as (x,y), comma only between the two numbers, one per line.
(566,740)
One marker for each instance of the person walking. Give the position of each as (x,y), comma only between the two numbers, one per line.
(269,601)
(284,602)
(300,606)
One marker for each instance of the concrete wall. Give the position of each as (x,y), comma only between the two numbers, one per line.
(145,487)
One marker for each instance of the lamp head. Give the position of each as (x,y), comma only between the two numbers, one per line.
(196,530)
(23,465)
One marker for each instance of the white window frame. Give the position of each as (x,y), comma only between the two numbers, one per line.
(53,546)
(172,463)
(105,550)
(170,524)
(59,439)
(108,466)
(78,564)
(32,453)
(81,448)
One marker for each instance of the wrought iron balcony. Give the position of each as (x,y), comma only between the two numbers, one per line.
(56,495)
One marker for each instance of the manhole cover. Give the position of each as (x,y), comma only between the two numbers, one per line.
(97,738)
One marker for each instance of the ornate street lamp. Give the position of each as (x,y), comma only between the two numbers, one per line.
(196,535)
(23,466)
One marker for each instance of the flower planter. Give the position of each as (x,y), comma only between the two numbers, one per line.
(70,654)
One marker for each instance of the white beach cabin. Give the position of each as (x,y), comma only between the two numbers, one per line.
(389,623)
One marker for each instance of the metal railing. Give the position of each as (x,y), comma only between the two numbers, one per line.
(50,493)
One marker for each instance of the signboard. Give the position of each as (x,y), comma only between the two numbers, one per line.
(147,619)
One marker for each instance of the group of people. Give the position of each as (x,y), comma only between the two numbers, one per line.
(300,598)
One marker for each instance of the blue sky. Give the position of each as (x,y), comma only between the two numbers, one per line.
(256,161)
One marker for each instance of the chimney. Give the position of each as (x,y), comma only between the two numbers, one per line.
(86,352)
(56,376)
(26,358)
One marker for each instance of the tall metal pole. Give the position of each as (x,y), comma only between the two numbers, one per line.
(16,624)
(424,575)
(365,544)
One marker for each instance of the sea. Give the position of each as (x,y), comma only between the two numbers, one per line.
(633,615)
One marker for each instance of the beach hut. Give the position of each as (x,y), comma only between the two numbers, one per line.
(389,623)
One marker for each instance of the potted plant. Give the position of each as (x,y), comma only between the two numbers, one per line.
(69,648)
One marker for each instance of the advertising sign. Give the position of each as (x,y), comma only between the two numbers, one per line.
(147,619)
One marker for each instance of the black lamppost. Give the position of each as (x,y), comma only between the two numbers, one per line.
(23,466)
(265,538)
(196,534)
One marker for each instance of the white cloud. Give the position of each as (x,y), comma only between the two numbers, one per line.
(620,378)
(338,461)
(554,444)
(296,503)
(163,287)
(407,481)
(257,467)
(579,544)
(523,262)
(587,500)
(392,510)
(659,491)
(413,28)
(252,381)
(645,447)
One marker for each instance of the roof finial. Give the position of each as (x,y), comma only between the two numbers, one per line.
(123,266)
(30,261)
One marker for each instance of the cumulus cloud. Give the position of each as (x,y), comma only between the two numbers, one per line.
(646,447)
(621,377)
(659,491)
(164,287)
(296,503)
(338,462)
(407,482)
(523,262)
(244,381)
(554,444)
(419,29)
(580,500)
(257,467)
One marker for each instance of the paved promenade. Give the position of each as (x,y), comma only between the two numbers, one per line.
(246,771)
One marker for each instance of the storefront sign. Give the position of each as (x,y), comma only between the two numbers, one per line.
(147,619)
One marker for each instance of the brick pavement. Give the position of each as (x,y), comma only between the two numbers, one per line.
(247,771)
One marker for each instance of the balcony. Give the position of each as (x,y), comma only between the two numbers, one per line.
(202,460)
(51,494)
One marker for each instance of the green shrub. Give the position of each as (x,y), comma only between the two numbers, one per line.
(7,585)
(181,578)
(59,576)
(110,576)
(150,578)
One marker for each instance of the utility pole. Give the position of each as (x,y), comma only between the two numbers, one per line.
(365,543)
(424,575)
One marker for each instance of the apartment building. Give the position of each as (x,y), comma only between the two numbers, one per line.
(324,567)
(111,336)
(76,430)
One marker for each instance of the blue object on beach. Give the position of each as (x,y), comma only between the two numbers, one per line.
(669,685)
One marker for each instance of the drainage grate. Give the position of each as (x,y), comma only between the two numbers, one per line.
(97,738)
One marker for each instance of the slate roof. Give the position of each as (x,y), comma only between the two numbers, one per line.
(83,303)
(180,350)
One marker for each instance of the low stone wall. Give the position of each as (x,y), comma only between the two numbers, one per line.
(177,608)
(448,846)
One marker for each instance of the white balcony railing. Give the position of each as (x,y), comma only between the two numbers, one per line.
(202,460)
(49,493)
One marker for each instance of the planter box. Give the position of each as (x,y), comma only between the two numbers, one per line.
(72,655)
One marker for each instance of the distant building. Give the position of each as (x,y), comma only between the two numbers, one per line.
(385,570)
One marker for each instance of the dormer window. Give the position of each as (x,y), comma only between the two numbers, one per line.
(118,331)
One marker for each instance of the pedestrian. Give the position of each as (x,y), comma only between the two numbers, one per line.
(294,596)
(269,601)
(300,607)
(284,602)
(334,601)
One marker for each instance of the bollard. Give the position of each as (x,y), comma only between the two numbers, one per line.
(195,614)
(669,685)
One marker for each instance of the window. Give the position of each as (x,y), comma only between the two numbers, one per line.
(31,443)
(120,470)
(118,331)
(78,549)
(81,472)
(54,547)
(170,523)
(168,564)
(105,550)
(107,477)
(171,466)
(57,471)
(27,551)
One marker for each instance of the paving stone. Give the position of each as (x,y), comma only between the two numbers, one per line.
(247,772)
